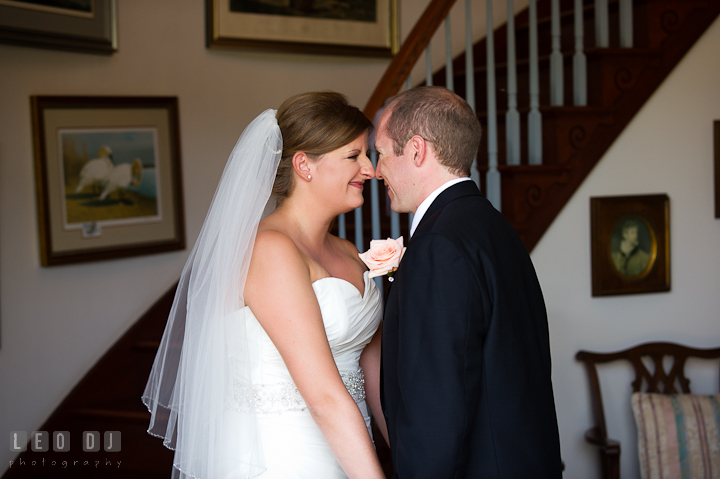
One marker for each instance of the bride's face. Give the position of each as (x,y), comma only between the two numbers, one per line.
(340,175)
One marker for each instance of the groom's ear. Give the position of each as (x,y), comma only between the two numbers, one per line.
(418,150)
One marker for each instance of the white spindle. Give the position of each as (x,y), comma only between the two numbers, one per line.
(626,24)
(534,117)
(341,226)
(374,199)
(359,241)
(512,117)
(602,24)
(579,61)
(470,78)
(428,66)
(556,59)
(493,175)
(449,81)
(394,225)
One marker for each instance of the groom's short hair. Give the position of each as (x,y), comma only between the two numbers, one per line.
(442,118)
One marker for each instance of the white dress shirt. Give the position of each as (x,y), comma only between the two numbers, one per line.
(425,205)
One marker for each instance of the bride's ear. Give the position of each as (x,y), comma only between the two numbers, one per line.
(301,165)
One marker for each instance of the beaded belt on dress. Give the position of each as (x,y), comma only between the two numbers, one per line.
(283,397)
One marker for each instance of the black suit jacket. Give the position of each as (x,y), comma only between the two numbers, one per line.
(466,387)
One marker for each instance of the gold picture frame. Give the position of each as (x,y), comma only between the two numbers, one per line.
(291,26)
(87,30)
(108,178)
(630,242)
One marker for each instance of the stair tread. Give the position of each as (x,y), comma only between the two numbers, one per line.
(557,109)
(567,55)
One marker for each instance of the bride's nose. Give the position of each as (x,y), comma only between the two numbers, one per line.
(367,169)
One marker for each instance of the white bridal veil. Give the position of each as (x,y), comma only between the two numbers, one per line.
(188,384)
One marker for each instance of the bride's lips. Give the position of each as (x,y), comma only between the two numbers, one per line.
(357,184)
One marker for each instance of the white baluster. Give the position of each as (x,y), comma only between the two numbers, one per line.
(470,78)
(602,24)
(341,226)
(394,225)
(512,117)
(556,59)
(626,24)
(534,117)
(579,61)
(359,241)
(493,175)
(449,81)
(374,199)
(428,66)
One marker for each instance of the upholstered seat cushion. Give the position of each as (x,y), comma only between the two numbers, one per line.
(678,435)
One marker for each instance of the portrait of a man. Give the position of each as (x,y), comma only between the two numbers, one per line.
(631,247)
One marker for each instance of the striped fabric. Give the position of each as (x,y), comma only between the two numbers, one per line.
(678,435)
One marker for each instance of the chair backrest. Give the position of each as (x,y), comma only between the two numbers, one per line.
(672,381)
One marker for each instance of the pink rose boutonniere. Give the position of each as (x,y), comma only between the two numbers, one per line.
(383,257)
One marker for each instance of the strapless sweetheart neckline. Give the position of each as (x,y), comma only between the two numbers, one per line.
(342,280)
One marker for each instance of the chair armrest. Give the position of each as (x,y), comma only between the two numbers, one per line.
(593,436)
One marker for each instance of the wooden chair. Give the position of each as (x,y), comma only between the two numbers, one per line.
(658,381)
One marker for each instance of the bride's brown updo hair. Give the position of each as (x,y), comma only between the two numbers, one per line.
(314,123)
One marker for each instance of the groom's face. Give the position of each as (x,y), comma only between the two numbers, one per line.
(394,170)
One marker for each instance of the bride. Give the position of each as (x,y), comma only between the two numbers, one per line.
(259,369)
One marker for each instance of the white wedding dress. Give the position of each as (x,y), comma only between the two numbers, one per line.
(292,444)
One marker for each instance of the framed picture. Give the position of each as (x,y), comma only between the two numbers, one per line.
(630,238)
(88,26)
(717,168)
(108,178)
(354,27)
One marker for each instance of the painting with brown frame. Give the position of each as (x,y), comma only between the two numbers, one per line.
(87,26)
(108,179)
(348,27)
(630,241)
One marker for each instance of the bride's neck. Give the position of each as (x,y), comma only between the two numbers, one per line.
(306,224)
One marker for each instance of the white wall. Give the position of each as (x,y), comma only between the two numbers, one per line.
(667,148)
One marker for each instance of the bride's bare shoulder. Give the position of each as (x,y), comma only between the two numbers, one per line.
(274,246)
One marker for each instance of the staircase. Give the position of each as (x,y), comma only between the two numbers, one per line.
(574,140)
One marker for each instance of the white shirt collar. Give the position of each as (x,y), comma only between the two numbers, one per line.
(425,205)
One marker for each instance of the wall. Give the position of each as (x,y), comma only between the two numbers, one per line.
(667,148)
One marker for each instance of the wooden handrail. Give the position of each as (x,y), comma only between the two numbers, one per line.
(411,49)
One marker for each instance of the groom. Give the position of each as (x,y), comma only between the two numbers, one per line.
(465,381)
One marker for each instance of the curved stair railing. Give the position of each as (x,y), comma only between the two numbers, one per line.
(537,149)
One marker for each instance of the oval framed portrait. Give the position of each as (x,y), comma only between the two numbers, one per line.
(633,247)
(630,241)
